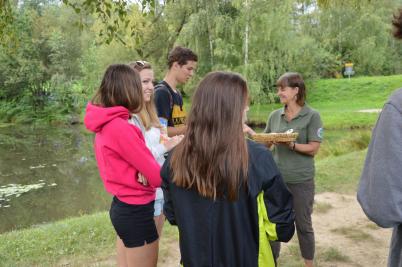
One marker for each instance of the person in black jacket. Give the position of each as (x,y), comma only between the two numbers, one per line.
(224,192)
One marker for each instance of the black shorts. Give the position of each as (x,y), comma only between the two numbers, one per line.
(134,224)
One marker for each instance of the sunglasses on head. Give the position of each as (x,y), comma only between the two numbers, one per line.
(141,63)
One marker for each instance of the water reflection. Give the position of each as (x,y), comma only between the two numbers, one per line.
(62,159)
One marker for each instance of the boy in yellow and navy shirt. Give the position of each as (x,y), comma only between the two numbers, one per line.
(182,63)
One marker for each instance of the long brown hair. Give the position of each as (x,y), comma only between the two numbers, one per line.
(120,86)
(212,157)
(148,114)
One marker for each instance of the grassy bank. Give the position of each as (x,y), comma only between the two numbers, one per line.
(340,101)
(75,239)
(83,241)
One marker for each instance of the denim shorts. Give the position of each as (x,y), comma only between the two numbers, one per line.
(159,201)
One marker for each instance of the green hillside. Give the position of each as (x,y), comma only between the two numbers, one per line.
(340,100)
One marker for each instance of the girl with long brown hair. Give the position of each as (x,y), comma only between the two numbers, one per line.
(222,191)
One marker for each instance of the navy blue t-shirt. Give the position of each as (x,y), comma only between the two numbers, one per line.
(169,104)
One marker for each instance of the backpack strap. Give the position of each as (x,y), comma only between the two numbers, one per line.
(163,87)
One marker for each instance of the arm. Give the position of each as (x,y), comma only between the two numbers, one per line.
(158,150)
(278,203)
(247,130)
(380,188)
(180,130)
(309,149)
(131,146)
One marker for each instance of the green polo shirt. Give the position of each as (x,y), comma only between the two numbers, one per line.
(295,167)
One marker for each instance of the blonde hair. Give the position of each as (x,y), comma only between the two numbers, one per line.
(147,114)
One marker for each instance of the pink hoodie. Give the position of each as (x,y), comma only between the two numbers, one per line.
(121,154)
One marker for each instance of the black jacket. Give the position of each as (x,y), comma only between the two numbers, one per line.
(223,233)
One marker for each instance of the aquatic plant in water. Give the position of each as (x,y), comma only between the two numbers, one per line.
(15,190)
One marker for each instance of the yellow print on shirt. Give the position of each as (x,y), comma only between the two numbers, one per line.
(178,115)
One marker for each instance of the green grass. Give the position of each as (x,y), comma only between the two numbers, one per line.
(339,100)
(332,254)
(88,240)
(372,226)
(356,234)
(341,142)
(339,174)
(290,255)
(78,238)
(322,207)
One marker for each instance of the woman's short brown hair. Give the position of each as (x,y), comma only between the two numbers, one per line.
(120,86)
(293,79)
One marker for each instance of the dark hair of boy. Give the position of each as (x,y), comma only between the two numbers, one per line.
(181,55)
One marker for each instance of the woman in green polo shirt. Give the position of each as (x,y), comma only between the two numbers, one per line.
(296,159)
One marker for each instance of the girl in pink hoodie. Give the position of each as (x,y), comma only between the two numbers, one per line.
(122,155)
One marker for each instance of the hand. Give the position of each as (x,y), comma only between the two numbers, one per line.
(164,131)
(248,130)
(291,145)
(172,142)
(142,180)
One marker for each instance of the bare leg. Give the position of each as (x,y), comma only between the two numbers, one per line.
(159,221)
(308,263)
(121,255)
(145,256)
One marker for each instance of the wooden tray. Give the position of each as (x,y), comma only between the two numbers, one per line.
(265,138)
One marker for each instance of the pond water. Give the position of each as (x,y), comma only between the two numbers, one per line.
(47,173)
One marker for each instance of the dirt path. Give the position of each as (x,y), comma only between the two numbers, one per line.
(344,237)
(345,227)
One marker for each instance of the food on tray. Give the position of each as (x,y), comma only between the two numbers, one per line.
(265,138)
